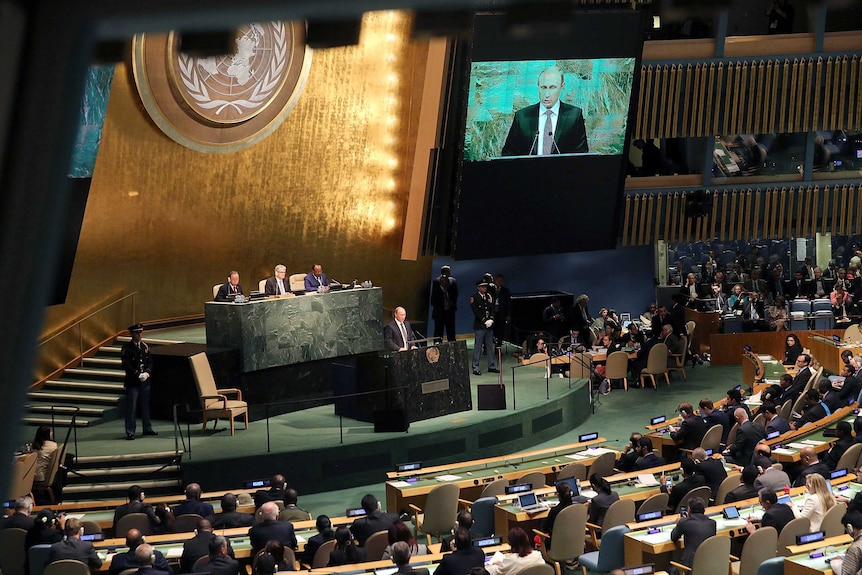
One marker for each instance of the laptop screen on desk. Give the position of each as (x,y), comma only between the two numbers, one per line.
(527,500)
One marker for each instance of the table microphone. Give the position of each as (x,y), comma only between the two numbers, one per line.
(533,145)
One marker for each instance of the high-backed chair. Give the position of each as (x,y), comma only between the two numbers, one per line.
(679,358)
(831,523)
(853,332)
(657,502)
(67,567)
(617,367)
(186,522)
(603,465)
(297,284)
(574,470)
(46,487)
(610,555)
(708,559)
(712,438)
(850,457)
(138,521)
(759,419)
(441,506)
(201,561)
(483,516)
(91,527)
(321,556)
(542,569)
(784,410)
(375,545)
(294,515)
(800,310)
(773,566)
(568,540)
(798,526)
(540,360)
(23,472)
(495,488)
(12,551)
(731,435)
(619,513)
(215,289)
(535,478)
(703,492)
(759,547)
(656,365)
(214,402)
(37,555)
(261,285)
(727,485)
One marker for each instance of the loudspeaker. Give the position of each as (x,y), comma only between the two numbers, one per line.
(388,420)
(492,396)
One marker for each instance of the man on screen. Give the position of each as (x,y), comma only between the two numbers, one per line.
(550,126)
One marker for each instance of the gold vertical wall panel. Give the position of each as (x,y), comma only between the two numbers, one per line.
(687,94)
(711,97)
(650,214)
(781,103)
(163,219)
(626,219)
(663,100)
(731,223)
(675,127)
(727,125)
(854,96)
(657,217)
(858,209)
(808,110)
(636,219)
(656,87)
(774,101)
(839,118)
(825,213)
(827,96)
(756,218)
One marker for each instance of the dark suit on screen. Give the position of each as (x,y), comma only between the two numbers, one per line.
(460,562)
(570,134)
(227,290)
(271,286)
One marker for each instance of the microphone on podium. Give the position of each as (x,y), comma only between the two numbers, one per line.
(533,145)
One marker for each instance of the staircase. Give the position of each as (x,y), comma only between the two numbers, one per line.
(95,387)
(107,477)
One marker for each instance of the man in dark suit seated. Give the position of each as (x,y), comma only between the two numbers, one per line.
(464,558)
(73,548)
(193,503)
(229,516)
(271,528)
(219,563)
(230,289)
(844,439)
(816,410)
(401,557)
(549,126)
(397,334)
(198,546)
(20,519)
(648,458)
(630,454)
(145,559)
(375,520)
(774,422)
(775,514)
(748,434)
(712,469)
(745,489)
(690,480)
(136,505)
(315,280)
(694,527)
(810,464)
(275,492)
(692,429)
(277,284)
(122,561)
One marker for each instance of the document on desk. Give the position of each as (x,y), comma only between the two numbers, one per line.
(400,484)
(797,445)
(594,451)
(653,538)
(782,451)
(813,442)
(448,477)
(646,480)
(577,456)
(174,552)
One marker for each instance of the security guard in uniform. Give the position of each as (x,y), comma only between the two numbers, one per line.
(482,304)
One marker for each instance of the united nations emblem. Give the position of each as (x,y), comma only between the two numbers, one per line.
(432,354)
(226,103)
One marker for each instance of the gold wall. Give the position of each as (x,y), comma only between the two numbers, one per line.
(328,186)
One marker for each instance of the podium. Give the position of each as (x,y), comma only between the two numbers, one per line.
(419,383)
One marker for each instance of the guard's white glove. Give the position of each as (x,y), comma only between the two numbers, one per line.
(144,376)
(489,323)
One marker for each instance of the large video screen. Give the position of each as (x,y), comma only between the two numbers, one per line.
(509,103)
(545,135)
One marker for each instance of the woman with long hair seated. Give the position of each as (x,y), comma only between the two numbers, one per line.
(398,531)
(604,498)
(45,446)
(520,556)
(778,315)
(792,349)
(346,550)
(817,502)
(564,494)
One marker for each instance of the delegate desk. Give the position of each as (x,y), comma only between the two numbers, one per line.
(828,351)
(786,447)
(471,477)
(641,546)
(507,514)
(804,564)
(429,561)
(283,331)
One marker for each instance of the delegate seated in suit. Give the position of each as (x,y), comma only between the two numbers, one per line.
(392,336)
(315,279)
(229,290)
(531,133)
